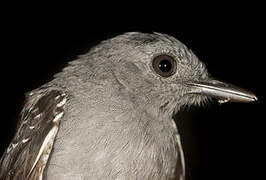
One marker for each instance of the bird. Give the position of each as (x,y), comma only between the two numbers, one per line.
(109,113)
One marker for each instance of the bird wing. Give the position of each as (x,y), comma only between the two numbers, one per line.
(180,166)
(28,153)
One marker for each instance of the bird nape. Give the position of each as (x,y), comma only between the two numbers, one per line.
(108,114)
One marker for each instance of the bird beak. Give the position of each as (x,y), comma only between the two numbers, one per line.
(224,92)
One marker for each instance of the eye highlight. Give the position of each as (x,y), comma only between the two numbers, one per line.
(164,65)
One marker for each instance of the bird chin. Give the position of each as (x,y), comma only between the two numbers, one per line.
(191,100)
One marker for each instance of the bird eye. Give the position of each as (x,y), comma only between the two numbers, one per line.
(164,65)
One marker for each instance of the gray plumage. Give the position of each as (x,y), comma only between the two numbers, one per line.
(116,114)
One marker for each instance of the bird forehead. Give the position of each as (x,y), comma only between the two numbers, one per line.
(152,45)
(146,38)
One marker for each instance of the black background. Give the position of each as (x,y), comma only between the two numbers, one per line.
(220,141)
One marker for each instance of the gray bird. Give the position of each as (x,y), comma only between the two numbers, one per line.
(108,114)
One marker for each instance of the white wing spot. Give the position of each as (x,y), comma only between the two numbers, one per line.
(37,116)
(25,122)
(35,110)
(57,97)
(31,127)
(14,145)
(9,149)
(25,140)
(61,103)
(39,95)
(31,93)
(57,117)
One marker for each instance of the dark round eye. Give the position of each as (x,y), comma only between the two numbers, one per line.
(164,65)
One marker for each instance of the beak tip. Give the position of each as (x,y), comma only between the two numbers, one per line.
(254,98)
(224,92)
(251,98)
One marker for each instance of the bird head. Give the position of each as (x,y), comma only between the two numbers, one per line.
(158,71)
